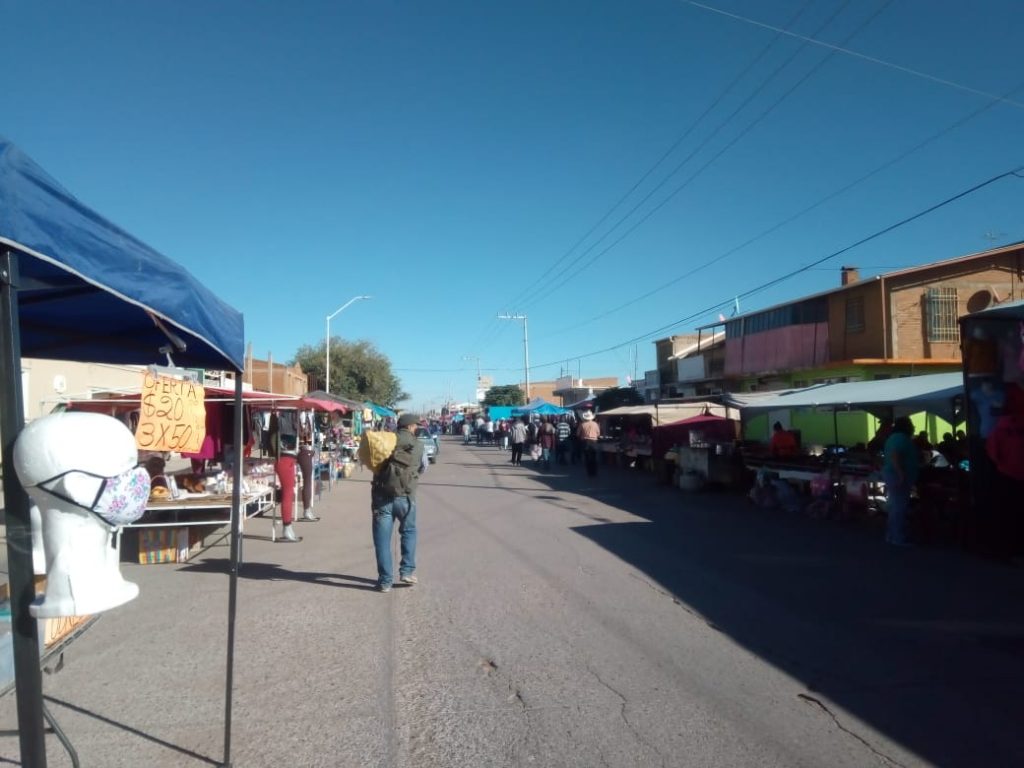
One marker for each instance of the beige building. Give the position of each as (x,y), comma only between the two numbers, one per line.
(47,383)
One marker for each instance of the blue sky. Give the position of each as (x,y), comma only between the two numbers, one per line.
(446,157)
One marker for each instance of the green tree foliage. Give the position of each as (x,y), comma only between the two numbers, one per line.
(506,394)
(617,396)
(358,371)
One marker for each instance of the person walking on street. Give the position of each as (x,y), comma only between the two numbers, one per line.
(902,461)
(518,435)
(393,497)
(562,432)
(547,440)
(587,434)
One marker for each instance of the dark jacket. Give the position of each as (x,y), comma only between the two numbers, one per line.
(399,475)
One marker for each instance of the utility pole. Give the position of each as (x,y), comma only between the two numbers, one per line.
(526,350)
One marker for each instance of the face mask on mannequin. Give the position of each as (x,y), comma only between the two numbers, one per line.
(119,500)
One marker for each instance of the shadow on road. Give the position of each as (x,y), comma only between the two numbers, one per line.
(925,646)
(274,572)
(134,731)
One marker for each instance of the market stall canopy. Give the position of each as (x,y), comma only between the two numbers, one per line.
(499,412)
(324,401)
(90,291)
(539,407)
(667,413)
(713,428)
(112,403)
(73,286)
(380,410)
(935,393)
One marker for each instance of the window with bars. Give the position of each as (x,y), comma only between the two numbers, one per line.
(855,315)
(941,311)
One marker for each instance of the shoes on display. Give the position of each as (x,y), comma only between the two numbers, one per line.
(383,587)
(288,535)
(309,517)
(410,579)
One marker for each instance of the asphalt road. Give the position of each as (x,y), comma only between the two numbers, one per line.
(558,622)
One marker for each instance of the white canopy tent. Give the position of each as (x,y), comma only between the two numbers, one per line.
(937,393)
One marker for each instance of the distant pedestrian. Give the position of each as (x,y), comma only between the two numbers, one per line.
(518,437)
(467,430)
(588,433)
(902,461)
(547,438)
(562,433)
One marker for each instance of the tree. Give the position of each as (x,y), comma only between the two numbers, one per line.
(617,396)
(359,371)
(505,394)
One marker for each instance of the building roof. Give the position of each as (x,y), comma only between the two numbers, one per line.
(884,276)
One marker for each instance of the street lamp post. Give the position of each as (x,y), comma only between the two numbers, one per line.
(327,340)
(526,350)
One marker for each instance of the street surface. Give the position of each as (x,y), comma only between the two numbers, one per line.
(558,621)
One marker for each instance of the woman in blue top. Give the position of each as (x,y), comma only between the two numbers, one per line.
(902,461)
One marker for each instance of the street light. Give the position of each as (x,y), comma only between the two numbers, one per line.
(327,341)
(526,350)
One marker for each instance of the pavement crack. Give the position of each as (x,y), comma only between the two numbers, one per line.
(623,703)
(813,700)
(677,601)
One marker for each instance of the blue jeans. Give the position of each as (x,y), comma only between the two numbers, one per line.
(897,502)
(403,509)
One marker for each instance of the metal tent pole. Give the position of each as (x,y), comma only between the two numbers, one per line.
(236,537)
(27,675)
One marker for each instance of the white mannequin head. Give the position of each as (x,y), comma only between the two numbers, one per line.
(80,470)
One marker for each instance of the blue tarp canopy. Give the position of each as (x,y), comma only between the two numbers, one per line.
(380,410)
(74,286)
(539,407)
(90,291)
(498,412)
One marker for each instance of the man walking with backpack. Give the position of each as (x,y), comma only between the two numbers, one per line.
(393,497)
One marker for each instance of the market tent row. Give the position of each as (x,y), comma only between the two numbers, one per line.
(74,286)
(539,407)
(938,393)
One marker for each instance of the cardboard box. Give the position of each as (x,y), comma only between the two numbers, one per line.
(158,545)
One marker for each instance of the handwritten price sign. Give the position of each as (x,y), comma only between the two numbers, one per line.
(173,415)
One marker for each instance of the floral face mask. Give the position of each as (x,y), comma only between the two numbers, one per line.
(119,500)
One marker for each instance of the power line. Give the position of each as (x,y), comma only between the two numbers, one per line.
(857,54)
(750,126)
(675,145)
(799,214)
(1017,172)
(525,293)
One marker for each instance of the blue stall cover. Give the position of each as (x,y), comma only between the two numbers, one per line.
(539,408)
(89,291)
(499,412)
(381,410)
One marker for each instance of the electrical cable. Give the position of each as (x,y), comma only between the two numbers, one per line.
(856,54)
(524,294)
(675,145)
(799,214)
(1017,172)
(750,126)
